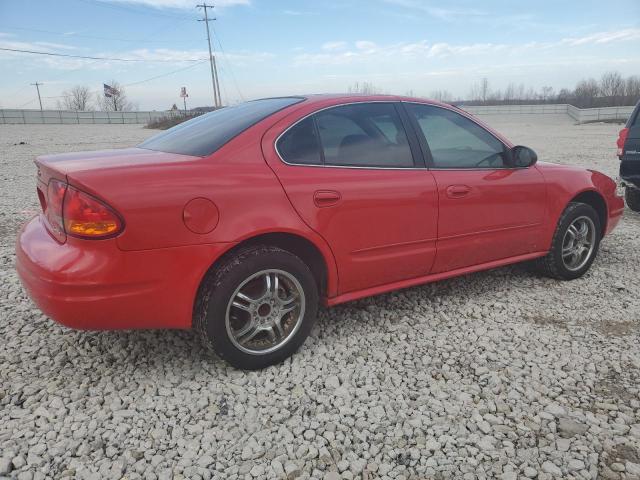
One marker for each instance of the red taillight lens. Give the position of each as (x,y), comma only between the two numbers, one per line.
(622,138)
(87,217)
(70,211)
(53,211)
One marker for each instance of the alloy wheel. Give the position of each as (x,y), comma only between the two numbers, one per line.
(578,243)
(265,311)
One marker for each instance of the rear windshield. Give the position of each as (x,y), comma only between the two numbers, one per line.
(205,134)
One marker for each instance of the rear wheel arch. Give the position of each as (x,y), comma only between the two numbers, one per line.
(300,246)
(596,201)
(296,244)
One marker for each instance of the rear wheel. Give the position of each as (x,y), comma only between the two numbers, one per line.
(632,196)
(575,244)
(257,307)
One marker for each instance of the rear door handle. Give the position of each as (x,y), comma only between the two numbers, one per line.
(458,191)
(326,198)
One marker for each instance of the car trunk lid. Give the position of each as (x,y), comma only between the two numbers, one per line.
(89,171)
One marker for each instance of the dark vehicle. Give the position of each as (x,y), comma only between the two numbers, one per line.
(629,153)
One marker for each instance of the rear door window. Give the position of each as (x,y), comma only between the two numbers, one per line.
(204,135)
(364,135)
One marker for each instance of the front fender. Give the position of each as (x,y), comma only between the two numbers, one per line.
(567,183)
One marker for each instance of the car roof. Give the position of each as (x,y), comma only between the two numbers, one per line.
(362,97)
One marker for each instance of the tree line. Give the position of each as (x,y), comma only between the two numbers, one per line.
(611,90)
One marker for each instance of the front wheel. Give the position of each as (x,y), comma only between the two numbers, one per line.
(258,307)
(632,196)
(575,244)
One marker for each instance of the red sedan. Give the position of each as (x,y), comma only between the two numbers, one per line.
(240,222)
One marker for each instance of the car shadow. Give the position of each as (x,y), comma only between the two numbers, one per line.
(147,350)
(152,353)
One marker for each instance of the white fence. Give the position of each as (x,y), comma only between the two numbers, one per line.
(581,115)
(597,114)
(70,117)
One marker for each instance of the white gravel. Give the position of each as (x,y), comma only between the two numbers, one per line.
(496,375)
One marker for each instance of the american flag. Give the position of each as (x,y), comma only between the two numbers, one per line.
(109,91)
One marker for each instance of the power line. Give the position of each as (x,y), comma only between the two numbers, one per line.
(217,100)
(20,90)
(228,62)
(99,58)
(79,35)
(142,81)
(169,25)
(27,103)
(166,74)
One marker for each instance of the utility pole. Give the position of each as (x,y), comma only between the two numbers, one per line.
(38,88)
(217,99)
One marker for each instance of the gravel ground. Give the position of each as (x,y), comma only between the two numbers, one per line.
(495,375)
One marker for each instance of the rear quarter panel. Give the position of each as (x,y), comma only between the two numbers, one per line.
(236,178)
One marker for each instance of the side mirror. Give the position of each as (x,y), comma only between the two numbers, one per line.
(523,157)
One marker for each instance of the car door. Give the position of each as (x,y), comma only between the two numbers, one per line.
(488,210)
(352,174)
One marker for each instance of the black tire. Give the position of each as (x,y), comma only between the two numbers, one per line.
(220,284)
(552,265)
(632,196)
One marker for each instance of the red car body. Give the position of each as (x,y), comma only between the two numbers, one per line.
(365,230)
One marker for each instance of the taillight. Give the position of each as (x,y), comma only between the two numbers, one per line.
(622,138)
(85,216)
(53,211)
(42,199)
(70,211)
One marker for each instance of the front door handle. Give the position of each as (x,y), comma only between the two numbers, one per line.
(458,191)
(326,198)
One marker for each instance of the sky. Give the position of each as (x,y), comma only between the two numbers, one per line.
(284,47)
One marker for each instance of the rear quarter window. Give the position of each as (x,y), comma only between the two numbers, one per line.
(204,135)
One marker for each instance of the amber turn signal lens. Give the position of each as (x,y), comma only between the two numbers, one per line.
(87,217)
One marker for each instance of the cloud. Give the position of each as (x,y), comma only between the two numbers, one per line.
(439,12)
(38,46)
(414,9)
(365,51)
(605,37)
(296,13)
(55,46)
(238,59)
(365,45)
(332,46)
(183,4)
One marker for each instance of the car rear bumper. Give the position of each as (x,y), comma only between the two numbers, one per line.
(632,181)
(630,170)
(616,209)
(88,284)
